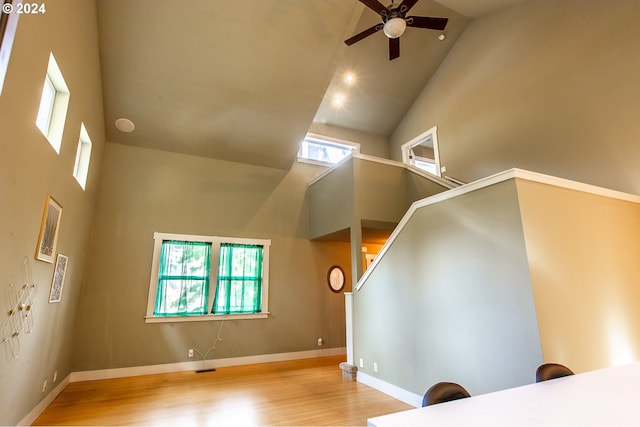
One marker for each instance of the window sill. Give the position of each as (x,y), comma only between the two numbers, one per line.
(206,318)
(314,162)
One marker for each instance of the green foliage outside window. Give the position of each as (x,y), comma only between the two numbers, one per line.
(183,278)
(239,287)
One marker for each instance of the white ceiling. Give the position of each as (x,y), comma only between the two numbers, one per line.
(243,80)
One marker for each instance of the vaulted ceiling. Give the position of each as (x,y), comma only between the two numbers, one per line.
(243,80)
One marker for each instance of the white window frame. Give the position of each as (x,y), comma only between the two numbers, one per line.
(56,110)
(83,157)
(215,241)
(408,158)
(328,141)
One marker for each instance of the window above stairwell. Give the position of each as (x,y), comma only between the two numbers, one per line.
(325,151)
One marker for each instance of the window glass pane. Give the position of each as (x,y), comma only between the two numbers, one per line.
(239,288)
(183,278)
(426,166)
(43,120)
(83,157)
(319,150)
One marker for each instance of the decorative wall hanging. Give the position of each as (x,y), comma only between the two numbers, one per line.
(20,301)
(58,278)
(336,278)
(49,230)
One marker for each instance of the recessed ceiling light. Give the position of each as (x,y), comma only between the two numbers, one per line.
(349,78)
(442,36)
(338,101)
(125,125)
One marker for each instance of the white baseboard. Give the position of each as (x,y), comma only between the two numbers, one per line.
(104,374)
(37,410)
(390,389)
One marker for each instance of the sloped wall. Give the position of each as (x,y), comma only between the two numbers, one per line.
(543,85)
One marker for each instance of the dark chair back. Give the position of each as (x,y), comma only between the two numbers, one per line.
(444,392)
(549,371)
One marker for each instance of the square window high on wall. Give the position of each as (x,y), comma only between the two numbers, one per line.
(53,105)
(83,157)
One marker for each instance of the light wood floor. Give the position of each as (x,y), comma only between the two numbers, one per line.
(303,392)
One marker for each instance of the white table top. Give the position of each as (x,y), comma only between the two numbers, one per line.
(608,397)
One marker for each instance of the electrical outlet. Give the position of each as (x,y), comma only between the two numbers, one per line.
(361,363)
(190,352)
(55,376)
(375,366)
(44,386)
(320,342)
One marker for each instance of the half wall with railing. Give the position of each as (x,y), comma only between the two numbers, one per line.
(481,284)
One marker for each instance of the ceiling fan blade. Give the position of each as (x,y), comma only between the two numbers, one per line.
(427,22)
(375,5)
(363,34)
(394,48)
(408,4)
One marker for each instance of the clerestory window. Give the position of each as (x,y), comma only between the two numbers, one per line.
(325,151)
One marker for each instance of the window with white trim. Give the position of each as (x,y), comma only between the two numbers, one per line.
(207,278)
(83,157)
(423,152)
(54,102)
(325,151)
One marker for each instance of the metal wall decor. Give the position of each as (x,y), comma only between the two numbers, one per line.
(19,320)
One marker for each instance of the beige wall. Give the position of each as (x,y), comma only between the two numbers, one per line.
(549,86)
(29,170)
(583,254)
(144,191)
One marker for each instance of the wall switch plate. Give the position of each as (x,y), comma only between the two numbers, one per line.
(190,352)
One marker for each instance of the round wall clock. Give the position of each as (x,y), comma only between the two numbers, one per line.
(336,278)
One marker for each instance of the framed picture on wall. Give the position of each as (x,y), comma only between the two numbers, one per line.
(58,278)
(8,25)
(49,230)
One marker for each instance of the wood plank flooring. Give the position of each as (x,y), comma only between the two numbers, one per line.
(301,392)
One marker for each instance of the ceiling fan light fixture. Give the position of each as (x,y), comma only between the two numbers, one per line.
(394,27)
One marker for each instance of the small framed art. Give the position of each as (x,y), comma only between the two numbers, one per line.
(49,230)
(58,278)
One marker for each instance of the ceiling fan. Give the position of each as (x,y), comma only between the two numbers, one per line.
(394,22)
